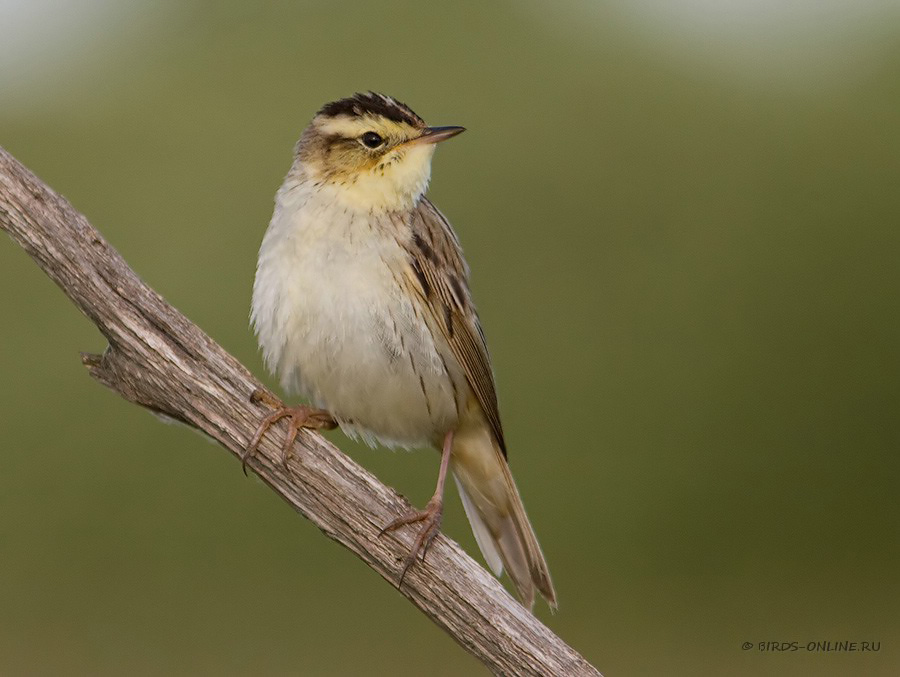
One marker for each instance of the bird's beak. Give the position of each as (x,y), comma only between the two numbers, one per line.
(435,135)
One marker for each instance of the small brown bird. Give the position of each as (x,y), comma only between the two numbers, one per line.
(361,304)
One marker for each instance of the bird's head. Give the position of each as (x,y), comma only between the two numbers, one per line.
(374,151)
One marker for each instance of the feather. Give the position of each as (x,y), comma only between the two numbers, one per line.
(489,495)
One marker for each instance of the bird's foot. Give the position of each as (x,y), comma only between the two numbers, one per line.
(431,518)
(298,417)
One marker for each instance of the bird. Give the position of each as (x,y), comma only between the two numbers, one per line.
(361,305)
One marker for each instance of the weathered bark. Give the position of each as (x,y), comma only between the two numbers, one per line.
(160,360)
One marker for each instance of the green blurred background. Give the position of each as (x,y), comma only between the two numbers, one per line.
(682,220)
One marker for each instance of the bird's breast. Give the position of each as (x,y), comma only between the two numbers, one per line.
(337,322)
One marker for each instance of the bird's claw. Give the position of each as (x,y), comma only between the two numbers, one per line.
(431,517)
(299,417)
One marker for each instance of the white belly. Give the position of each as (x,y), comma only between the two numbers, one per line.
(336,326)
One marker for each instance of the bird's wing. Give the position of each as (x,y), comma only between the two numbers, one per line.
(441,274)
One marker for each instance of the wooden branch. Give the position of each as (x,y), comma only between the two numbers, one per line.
(157,358)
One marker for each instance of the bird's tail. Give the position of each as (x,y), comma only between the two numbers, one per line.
(497,515)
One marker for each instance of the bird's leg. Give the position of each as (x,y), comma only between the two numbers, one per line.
(300,416)
(431,516)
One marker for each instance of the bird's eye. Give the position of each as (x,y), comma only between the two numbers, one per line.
(371,140)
